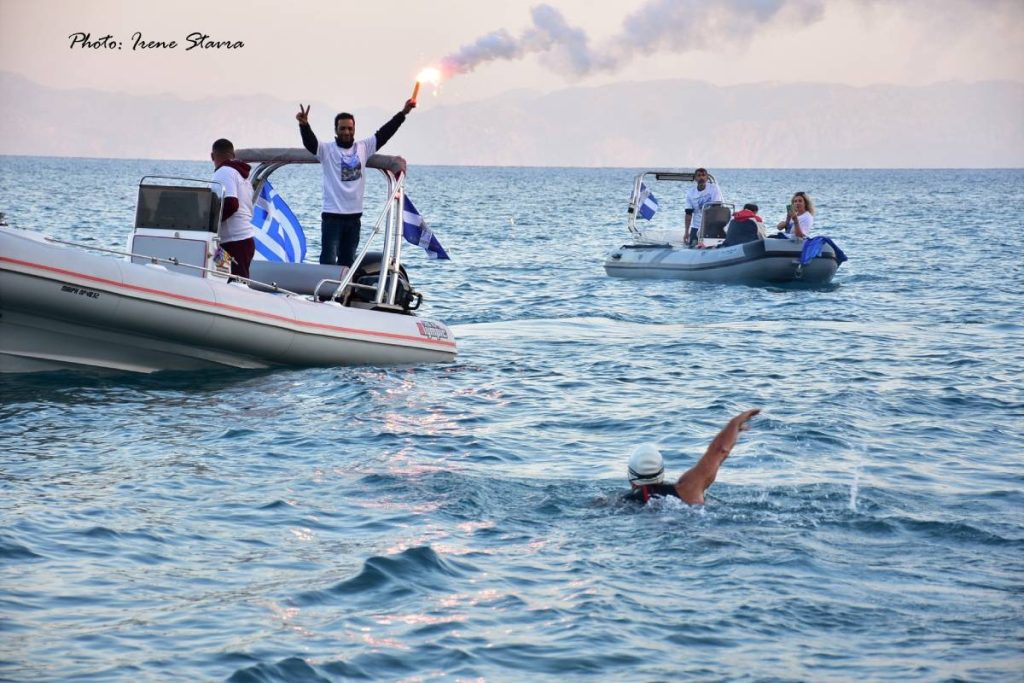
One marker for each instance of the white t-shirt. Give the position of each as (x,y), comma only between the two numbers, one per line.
(698,199)
(806,223)
(238,225)
(344,180)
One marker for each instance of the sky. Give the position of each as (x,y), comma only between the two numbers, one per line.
(367,53)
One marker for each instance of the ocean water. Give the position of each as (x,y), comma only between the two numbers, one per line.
(464,521)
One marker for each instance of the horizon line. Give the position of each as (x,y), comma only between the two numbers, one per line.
(663,168)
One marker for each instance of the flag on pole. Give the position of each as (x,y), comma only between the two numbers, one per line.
(279,236)
(648,203)
(415,231)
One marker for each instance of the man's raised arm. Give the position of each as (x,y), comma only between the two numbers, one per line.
(385,132)
(309,140)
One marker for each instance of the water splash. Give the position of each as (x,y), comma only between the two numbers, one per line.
(855,485)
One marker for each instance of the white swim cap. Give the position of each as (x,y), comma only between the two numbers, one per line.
(646,465)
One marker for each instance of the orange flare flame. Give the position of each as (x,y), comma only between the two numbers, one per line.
(429,75)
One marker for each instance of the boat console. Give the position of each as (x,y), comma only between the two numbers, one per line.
(176,226)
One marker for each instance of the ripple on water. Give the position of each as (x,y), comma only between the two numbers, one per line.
(388,579)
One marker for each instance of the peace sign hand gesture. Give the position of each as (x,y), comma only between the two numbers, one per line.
(303,116)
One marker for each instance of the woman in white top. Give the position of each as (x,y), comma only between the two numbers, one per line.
(800,219)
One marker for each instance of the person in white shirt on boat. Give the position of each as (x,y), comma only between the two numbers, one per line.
(696,199)
(647,469)
(237,236)
(799,217)
(342,161)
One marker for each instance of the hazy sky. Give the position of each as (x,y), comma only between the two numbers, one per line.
(360,53)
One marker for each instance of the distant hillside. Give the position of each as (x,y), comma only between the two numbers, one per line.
(662,123)
(36,120)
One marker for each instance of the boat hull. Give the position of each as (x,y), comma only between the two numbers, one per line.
(761,261)
(62,308)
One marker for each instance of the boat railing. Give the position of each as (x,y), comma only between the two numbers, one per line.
(268,160)
(156,260)
(387,281)
(388,223)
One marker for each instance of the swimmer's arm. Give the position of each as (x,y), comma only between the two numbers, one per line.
(696,480)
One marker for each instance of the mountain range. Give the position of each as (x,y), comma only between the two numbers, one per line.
(668,123)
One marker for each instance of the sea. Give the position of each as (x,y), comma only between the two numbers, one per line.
(464,521)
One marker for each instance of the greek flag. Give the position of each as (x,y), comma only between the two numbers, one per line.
(648,203)
(279,236)
(416,231)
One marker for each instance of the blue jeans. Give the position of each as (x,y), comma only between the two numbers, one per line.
(339,237)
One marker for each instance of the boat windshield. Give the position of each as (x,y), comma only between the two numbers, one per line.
(177,208)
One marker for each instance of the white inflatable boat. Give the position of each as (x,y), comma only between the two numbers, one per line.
(168,303)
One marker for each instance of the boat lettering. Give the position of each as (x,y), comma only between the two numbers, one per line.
(432,330)
(80,291)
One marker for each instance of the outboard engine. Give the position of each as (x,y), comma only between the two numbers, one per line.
(367,276)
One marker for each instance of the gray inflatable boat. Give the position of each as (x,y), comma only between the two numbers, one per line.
(727,249)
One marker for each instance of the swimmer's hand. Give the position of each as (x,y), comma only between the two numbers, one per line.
(744,417)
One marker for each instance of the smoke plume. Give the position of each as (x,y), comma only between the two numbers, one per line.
(658,26)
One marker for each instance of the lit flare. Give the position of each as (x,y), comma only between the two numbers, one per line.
(429,75)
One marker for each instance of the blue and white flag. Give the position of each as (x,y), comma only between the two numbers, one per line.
(416,231)
(279,236)
(648,203)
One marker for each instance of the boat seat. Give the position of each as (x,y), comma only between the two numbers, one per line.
(715,218)
(303,278)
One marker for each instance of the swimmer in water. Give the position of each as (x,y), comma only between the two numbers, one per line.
(647,469)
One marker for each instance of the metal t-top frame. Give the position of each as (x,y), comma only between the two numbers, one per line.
(389,221)
(634,199)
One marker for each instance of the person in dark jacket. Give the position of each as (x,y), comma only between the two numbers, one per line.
(342,161)
(647,469)
(745,226)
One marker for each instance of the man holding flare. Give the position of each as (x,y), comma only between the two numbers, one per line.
(342,161)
